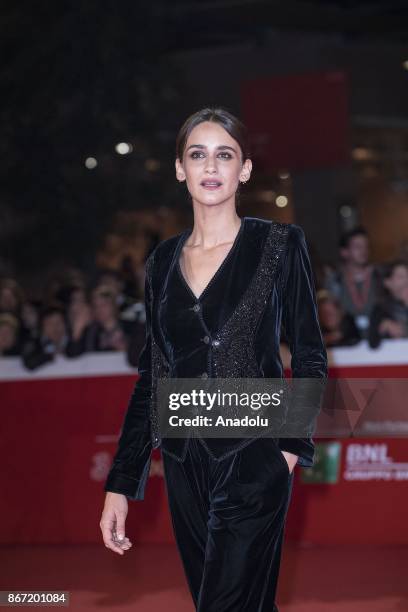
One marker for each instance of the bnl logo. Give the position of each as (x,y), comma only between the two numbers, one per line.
(367,453)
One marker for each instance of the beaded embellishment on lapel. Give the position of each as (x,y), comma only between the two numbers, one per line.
(234,354)
(160,367)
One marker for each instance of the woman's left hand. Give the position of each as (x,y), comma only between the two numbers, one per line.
(291,460)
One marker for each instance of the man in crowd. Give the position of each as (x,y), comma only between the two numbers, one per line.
(356,283)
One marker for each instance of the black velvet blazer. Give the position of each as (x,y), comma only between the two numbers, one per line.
(232,329)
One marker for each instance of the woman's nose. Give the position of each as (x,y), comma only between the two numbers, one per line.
(211,165)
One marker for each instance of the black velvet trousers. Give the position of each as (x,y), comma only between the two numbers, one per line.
(228,519)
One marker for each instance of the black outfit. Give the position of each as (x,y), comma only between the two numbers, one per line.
(228,497)
(94,338)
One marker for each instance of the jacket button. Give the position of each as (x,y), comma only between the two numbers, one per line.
(204,375)
(216,343)
(196,307)
(206,339)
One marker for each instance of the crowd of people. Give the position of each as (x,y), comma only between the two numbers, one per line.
(357,301)
(360,300)
(73,320)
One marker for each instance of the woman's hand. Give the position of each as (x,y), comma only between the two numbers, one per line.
(112,523)
(80,318)
(291,459)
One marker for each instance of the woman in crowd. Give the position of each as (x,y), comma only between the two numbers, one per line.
(389,318)
(9,328)
(96,327)
(338,327)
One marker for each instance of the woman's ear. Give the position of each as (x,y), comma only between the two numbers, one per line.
(180,171)
(245,171)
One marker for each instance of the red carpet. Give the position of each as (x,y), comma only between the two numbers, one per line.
(150,578)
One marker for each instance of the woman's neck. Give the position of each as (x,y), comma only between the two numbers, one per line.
(213,227)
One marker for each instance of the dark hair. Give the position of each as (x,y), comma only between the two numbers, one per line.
(388,269)
(347,236)
(235,128)
(385,271)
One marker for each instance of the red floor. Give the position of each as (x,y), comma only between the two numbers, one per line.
(150,578)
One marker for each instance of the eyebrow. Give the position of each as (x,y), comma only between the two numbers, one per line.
(220,147)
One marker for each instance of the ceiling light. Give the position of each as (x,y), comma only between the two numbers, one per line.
(123,148)
(281,201)
(91,163)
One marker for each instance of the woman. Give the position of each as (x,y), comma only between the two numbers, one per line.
(215,298)
(389,317)
(337,326)
(95,328)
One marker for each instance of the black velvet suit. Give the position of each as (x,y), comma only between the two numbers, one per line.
(231,330)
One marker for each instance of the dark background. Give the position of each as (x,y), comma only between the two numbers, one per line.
(77,78)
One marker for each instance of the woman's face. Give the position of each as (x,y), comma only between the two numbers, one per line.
(29,314)
(8,336)
(8,300)
(329,315)
(398,280)
(358,250)
(53,327)
(103,308)
(77,302)
(212,165)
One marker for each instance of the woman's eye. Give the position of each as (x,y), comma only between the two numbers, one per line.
(198,154)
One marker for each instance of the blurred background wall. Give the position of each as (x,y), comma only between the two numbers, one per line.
(79,80)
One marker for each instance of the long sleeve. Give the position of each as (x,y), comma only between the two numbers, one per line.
(131,464)
(308,352)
